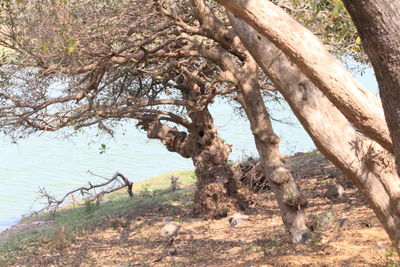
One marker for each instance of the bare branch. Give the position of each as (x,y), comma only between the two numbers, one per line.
(54,204)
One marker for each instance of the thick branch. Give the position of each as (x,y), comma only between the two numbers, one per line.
(305,50)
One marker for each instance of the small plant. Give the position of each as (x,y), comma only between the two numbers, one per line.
(145,190)
(251,247)
(61,238)
(174,183)
(389,254)
(221,213)
(103,149)
(89,205)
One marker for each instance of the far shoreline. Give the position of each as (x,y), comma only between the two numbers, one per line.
(7,223)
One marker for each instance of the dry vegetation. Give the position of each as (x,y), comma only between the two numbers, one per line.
(130,237)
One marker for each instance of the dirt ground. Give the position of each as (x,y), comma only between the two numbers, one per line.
(354,238)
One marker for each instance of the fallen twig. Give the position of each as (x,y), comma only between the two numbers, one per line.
(53,203)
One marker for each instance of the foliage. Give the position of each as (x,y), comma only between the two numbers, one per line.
(329,20)
(81,63)
(74,61)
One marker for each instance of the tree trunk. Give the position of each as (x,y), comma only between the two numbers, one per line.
(217,189)
(287,195)
(378,23)
(290,200)
(366,163)
(305,50)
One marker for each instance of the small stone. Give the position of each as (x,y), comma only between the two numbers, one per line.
(327,218)
(324,220)
(339,238)
(301,237)
(236,218)
(334,191)
(367,224)
(343,222)
(169,230)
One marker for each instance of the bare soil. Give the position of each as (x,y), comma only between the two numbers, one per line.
(355,238)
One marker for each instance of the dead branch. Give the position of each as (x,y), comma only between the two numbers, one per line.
(54,204)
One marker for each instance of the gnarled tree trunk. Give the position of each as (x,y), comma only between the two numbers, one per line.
(289,198)
(366,163)
(217,189)
(378,23)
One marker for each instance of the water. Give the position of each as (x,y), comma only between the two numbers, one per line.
(62,165)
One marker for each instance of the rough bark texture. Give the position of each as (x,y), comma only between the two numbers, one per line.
(358,105)
(367,164)
(217,189)
(290,200)
(378,23)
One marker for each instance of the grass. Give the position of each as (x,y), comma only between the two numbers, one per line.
(69,221)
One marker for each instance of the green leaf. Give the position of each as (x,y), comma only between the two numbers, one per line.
(46,46)
(335,11)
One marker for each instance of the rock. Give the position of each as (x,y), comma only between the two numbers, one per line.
(301,236)
(334,191)
(327,218)
(236,218)
(299,154)
(169,230)
(367,224)
(344,222)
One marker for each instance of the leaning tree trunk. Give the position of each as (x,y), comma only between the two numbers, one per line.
(290,200)
(305,50)
(217,189)
(378,23)
(287,195)
(366,163)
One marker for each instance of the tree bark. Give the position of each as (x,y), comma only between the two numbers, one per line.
(309,54)
(378,23)
(290,200)
(366,163)
(218,191)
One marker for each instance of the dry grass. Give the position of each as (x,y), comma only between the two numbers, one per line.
(132,239)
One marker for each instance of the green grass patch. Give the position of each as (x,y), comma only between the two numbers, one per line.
(150,194)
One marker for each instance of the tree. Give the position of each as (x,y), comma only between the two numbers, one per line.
(134,87)
(280,50)
(71,70)
(378,23)
(117,70)
(245,76)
